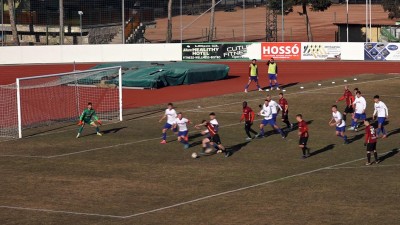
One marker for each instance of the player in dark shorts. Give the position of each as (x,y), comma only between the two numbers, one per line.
(248,117)
(303,136)
(349,98)
(213,140)
(370,142)
(283,103)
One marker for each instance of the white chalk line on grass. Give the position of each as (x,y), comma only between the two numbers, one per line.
(192,110)
(59,211)
(182,203)
(364,167)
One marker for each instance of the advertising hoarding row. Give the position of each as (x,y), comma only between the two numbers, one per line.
(292,51)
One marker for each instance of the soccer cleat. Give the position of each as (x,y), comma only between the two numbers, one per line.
(248,139)
(186,146)
(278,89)
(368,163)
(266,89)
(346,142)
(377,161)
(245,90)
(304,157)
(260,89)
(99,134)
(163,142)
(351,128)
(78,135)
(227,154)
(384,136)
(355,129)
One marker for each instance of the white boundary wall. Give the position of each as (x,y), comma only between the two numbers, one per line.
(90,53)
(150,52)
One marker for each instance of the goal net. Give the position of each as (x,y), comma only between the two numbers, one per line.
(48,102)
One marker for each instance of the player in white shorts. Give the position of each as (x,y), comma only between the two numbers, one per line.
(359,111)
(338,122)
(181,124)
(382,112)
(171,115)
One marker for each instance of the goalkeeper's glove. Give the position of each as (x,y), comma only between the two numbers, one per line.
(99,122)
(80,123)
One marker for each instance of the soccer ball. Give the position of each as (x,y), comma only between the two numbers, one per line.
(194,155)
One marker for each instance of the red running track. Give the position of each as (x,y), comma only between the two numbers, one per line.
(289,72)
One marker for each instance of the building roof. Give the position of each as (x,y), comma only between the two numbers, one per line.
(363,24)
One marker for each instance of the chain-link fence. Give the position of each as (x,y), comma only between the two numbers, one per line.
(37,22)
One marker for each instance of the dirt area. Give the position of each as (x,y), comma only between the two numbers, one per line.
(229,25)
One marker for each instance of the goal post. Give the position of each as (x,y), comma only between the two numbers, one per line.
(54,101)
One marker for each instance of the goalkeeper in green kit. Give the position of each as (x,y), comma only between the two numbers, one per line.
(89,117)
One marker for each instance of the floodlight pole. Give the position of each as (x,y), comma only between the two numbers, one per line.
(347,20)
(123,21)
(366,20)
(244,20)
(181,20)
(283,23)
(80,24)
(61,9)
(2,23)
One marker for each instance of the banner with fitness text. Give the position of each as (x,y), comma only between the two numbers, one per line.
(281,50)
(320,51)
(218,51)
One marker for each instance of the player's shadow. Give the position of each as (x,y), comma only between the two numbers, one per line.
(322,150)
(393,132)
(194,136)
(283,86)
(355,138)
(389,155)
(235,148)
(113,130)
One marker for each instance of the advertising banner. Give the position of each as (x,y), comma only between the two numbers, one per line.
(382,51)
(281,50)
(320,51)
(216,51)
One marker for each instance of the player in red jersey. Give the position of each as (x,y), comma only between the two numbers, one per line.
(303,136)
(248,117)
(370,142)
(348,96)
(285,111)
(213,141)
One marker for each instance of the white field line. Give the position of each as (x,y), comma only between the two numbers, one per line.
(182,203)
(193,110)
(364,167)
(339,94)
(59,211)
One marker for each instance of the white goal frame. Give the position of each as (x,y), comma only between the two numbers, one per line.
(18,89)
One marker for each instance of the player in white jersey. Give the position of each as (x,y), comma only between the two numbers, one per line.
(214,123)
(267,113)
(274,106)
(359,111)
(339,123)
(181,124)
(382,112)
(171,115)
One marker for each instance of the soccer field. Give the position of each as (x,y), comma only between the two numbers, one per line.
(127,177)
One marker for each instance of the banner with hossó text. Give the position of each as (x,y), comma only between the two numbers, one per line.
(217,51)
(320,51)
(382,51)
(281,50)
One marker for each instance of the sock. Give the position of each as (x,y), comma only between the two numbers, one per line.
(216,147)
(287,123)
(353,123)
(247,86)
(303,150)
(378,131)
(383,130)
(262,132)
(345,138)
(376,156)
(276,85)
(164,136)
(369,157)
(339,135)
(80,129)
(97,129)
(183,141)
(344,117)
(270,85)
(281,132)
(258,86)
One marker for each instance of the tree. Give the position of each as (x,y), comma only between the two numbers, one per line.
(169,26)
(313,5)
(393,7)
(212,19)
(11,11)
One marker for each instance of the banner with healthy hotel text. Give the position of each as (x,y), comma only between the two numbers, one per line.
(220,51)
